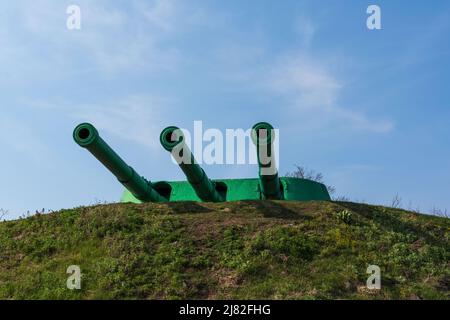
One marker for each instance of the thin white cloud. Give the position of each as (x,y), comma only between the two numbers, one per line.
(312,92)
(134,36)
(306,81)
(132,118)
(305,30)
(163,14)
(20,137)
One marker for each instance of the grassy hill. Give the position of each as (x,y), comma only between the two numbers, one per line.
(246,249)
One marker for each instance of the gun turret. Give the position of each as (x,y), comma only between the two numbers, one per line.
(86,136)
(263,136)
(172,139)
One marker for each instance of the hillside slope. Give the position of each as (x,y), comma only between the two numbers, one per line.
(246,249)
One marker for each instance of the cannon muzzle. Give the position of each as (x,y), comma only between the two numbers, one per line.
(263,136)
(86,136)
(172,139)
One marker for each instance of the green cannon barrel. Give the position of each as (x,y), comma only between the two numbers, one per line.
(263,136)
(86,136)
(172,139)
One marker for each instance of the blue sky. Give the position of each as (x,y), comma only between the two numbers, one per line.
(368,109)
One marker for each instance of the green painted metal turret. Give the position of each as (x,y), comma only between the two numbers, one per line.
(87,137)
(172,138)
(198,186)
(263,136)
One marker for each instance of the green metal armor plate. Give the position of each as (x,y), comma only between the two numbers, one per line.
(239,189)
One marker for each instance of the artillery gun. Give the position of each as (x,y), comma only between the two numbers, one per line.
(198,186)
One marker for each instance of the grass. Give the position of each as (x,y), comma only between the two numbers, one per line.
(236,250)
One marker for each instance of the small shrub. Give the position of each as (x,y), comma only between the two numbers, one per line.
(3,213)
(344,216)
